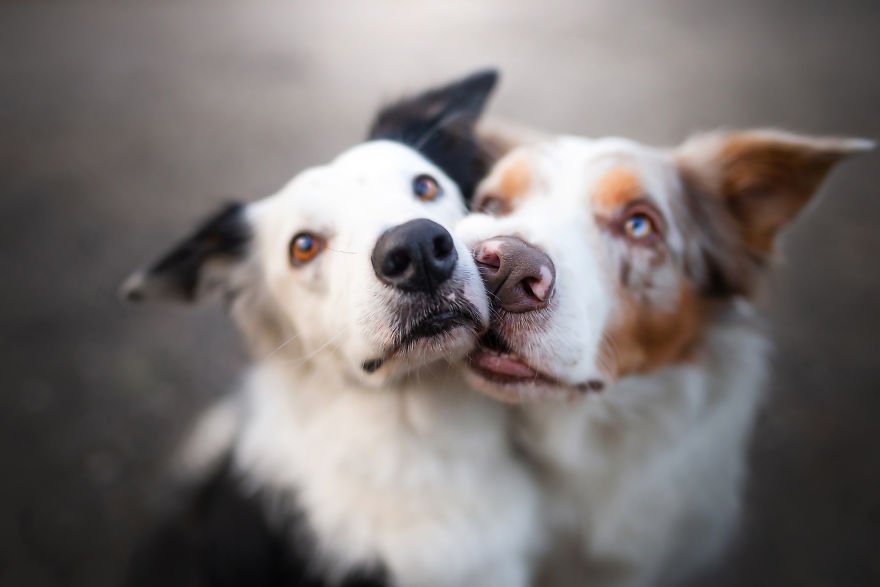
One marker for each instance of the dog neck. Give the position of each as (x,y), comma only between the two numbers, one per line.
(365,463)
(640,415)
(431,410)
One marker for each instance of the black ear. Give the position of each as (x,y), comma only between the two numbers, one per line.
(198,264)
(439,123)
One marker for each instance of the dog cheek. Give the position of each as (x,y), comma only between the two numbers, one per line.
(374,319)
(570,346)
(583,306)
(475,293)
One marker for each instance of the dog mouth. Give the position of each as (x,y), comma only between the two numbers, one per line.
(509,373)
(495,361)
(435,328)
(435,325)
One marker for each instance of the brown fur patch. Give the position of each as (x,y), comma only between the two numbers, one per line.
(516,180)
(764,178)
(643,338)
(766,183)
(739,190)
(618,187)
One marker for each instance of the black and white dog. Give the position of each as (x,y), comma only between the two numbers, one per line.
(353,455)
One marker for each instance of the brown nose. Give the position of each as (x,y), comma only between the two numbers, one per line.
(519,275)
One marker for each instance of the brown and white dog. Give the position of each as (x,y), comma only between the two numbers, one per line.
(630,269)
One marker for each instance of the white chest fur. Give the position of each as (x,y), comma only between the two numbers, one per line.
(645,479)
(419,477)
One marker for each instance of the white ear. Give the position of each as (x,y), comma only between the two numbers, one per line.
(199,264)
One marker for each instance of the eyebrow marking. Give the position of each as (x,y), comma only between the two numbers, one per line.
(619,186)
(516,179)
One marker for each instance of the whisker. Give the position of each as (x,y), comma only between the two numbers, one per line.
(344,252)
(281,346)
(299,361)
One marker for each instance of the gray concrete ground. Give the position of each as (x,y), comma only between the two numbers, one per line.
(122,123)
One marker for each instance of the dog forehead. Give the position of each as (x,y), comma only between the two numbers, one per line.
(380,159)
(367,186)
(573,176)
(543,167)
(618,171)
(532,171)
(369,173)
(541,173)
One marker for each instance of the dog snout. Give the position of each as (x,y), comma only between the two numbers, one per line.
(418,255)
(520,276)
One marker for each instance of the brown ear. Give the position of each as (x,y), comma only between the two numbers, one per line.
(762,177)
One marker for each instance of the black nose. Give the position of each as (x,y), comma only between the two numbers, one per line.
(418,255)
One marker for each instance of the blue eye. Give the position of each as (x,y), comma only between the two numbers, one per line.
(639,226)
(426,187)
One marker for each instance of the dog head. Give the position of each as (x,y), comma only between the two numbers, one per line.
(354,259)
(608,258)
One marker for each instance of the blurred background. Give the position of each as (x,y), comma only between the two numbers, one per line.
(122,123)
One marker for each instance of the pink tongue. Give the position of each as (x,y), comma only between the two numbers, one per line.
(502,365)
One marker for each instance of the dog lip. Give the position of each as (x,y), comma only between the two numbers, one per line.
(493,361)
(437,324)
(433,325)
(505,367)
(502,365)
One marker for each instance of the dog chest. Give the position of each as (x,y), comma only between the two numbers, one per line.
(420,480)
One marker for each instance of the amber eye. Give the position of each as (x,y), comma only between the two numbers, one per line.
(491,205)
(426,187)
(304,247)
(639,227)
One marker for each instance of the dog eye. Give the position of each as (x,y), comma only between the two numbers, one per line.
(639,227)
(490,205)
(426,187)
(304,247)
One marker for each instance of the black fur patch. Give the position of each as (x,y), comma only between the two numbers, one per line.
(220,538)
(439,124)
(224,235)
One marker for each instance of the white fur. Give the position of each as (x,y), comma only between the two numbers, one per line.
(417,475)
(402,466)
(643,479)
(335,303)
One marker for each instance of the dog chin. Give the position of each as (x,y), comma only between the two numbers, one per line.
(446,332)
(513,389)
(450,346)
